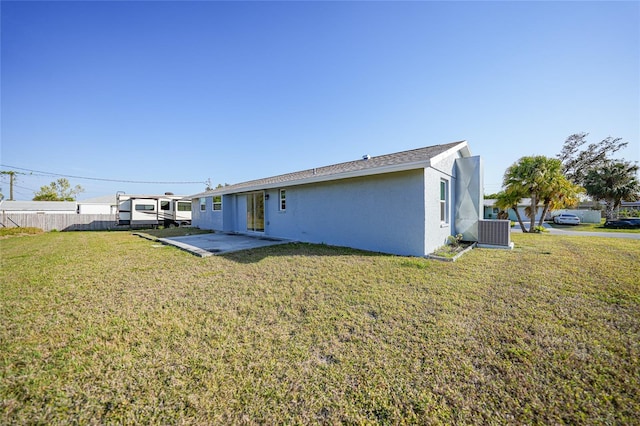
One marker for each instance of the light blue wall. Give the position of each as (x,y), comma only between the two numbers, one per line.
(206,219)
(392,213)
(436,232)
(229,207)
(379,213)
(199,218)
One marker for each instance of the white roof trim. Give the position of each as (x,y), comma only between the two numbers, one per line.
(462,146)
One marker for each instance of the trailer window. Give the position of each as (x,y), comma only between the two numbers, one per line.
(165,205)
(184,206)
(145,207)
(217,202)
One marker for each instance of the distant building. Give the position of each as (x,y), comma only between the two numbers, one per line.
(491,211)
(42,207)
(100,205)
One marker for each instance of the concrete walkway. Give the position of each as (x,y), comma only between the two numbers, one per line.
(558,231)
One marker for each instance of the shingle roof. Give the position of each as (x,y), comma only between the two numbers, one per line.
(105,199)
(404,160)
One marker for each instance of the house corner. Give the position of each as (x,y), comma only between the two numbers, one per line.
(468,196)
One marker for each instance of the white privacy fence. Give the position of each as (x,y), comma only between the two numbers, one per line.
(58,221)
(586,216)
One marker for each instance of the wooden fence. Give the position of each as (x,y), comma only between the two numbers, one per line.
(59,221)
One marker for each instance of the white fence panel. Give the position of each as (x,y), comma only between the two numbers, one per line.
(586,216)
(59,221)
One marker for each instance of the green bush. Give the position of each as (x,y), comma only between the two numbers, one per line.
(629,213)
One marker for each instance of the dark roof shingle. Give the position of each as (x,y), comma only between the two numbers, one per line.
(419,155)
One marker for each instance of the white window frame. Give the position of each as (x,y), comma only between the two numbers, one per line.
(444,202)
(215,203)
(203,204)
(282,200)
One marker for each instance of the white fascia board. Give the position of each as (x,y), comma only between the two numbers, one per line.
(325,178)
(463,147)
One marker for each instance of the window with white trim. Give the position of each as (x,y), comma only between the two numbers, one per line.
(217,202)
(283,200)
(444,201)
(203,204)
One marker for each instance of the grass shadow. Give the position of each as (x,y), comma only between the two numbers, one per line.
(255,255)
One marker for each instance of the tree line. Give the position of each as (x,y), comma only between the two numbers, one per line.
(560,182)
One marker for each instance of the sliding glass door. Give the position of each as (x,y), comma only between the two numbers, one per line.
(255,212)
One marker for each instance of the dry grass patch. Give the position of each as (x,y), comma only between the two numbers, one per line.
(19,232)
(111,328)
(175,232)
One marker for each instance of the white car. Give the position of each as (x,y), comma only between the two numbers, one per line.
(566,219)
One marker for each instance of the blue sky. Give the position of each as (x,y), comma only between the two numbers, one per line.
(234,91)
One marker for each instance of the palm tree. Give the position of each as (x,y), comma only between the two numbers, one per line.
(561,194)
(509,200)
(613,182)
(534,177)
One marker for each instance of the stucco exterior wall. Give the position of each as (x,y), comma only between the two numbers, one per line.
(207,218)
(378,213)
(395,212)
(436,232)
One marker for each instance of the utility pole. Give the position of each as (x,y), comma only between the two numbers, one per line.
(12,177)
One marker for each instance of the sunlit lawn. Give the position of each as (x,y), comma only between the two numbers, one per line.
(110,328)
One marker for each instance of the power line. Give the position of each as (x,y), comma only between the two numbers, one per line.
(41,173)
(24,187)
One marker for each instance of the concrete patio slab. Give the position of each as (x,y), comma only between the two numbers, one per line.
(204,245)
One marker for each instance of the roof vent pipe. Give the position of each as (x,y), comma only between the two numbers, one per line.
(366,157)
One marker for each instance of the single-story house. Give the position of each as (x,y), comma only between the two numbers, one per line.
(406,203)
(42,207)
(491,211)
(629,205)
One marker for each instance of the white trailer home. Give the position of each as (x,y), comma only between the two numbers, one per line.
(167,210)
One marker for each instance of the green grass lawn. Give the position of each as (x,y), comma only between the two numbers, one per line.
(105,327)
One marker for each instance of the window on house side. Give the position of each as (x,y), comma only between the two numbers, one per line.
(283,200)
(203,204)
(444,201)
(217,202)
